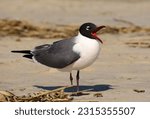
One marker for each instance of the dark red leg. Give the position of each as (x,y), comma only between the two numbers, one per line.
(71,78)
(77,78)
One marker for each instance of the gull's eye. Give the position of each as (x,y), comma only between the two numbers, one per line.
(88,28)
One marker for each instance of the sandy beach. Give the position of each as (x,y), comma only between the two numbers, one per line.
(122,70)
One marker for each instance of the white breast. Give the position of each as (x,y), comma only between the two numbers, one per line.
(88,49)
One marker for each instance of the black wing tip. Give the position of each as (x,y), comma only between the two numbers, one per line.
(28,56)
(13,51)
(21,51)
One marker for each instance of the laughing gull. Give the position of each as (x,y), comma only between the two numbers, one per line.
(75,53)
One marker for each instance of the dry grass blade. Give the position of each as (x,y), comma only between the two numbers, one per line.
(6,93)
(53,95)
(57,95)
(139,91)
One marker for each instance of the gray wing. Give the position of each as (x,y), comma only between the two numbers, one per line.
(56,55)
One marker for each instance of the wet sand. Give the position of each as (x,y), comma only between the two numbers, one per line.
(121,73)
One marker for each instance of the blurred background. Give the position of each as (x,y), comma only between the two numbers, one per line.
(77,11)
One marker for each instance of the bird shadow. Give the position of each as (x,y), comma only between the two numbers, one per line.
(90,88)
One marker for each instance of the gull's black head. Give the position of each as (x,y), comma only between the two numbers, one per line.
(89,30)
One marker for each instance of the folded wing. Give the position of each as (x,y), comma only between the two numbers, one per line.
(57,55)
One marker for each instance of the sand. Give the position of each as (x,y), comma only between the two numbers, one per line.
(121,73)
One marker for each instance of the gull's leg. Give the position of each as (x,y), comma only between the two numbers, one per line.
(71,78)
(77,78)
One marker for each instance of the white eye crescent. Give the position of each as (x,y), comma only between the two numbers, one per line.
(88,28)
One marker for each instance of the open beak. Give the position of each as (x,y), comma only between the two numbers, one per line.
(95,35)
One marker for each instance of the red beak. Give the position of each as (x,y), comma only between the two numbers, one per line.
(95,35)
